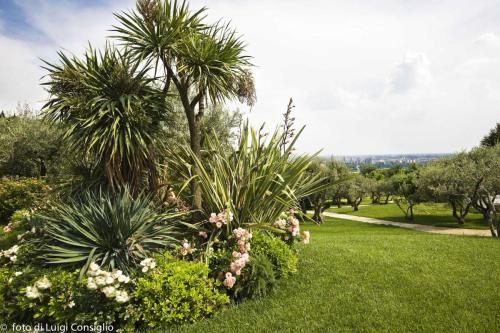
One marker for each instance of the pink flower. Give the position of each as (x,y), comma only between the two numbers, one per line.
(295,231)
(306,236)
(213,218)
(186,248)
(218,224)
(203,234)
(229,281)
(236,254)
(7,229)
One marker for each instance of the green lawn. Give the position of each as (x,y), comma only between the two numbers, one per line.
(438,215)
(357,277)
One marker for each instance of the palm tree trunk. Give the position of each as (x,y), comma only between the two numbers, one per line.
(196,148)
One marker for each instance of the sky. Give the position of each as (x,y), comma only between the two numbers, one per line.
(366,77)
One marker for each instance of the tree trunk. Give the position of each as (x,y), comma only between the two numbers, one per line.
(317,217)
(387,197)
(196,147)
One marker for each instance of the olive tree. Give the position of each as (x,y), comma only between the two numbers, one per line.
(406,194)
(331,173)
(458,180)
(356,189)
(486,173)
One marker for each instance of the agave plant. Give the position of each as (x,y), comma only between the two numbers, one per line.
(257,182)
(114,230)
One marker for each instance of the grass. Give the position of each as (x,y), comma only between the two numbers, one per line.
(357,277)
(436,214)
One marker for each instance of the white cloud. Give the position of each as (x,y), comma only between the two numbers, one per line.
(19,74)
(412,73)
(488,38)
(345,63)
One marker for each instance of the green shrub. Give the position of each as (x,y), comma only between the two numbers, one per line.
(258,278)
(177,292)
(114,230)
(19,193)
(66,300)
(282,257)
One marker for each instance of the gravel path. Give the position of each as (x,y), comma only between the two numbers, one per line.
(419,227)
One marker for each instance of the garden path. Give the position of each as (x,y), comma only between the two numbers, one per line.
(419,227)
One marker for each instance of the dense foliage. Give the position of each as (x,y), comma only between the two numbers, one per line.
(177,292)
(29,147)
(112,114)
(114,230)
(20,193)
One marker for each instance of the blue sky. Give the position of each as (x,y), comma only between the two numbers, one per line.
(370,77)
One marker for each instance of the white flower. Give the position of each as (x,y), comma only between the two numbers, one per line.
(122,296)
(109,291)
(32,292)
(100,281)
(43,283)
(71,304)
(94,267)
(145,269)
(18,273)
(110,280)
(13,258)
(91,284)
(116,274)
(123,279)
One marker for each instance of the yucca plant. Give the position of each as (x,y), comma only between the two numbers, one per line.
(203,61)
(112,112)
(114,230)
(257,182)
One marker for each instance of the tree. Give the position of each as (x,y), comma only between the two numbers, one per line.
(356,189)
(112,114)
(406,194)
(386,189)
(203,61)
(331,173)
(486,174)
(339,189)
(456,180)
(492,138)
(29,147)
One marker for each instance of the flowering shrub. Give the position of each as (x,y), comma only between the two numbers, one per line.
(108,283)
(291,226)
(57,296)
(177,292)
(10,255)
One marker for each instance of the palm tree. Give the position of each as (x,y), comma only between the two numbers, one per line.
(204,62)
(112,113)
